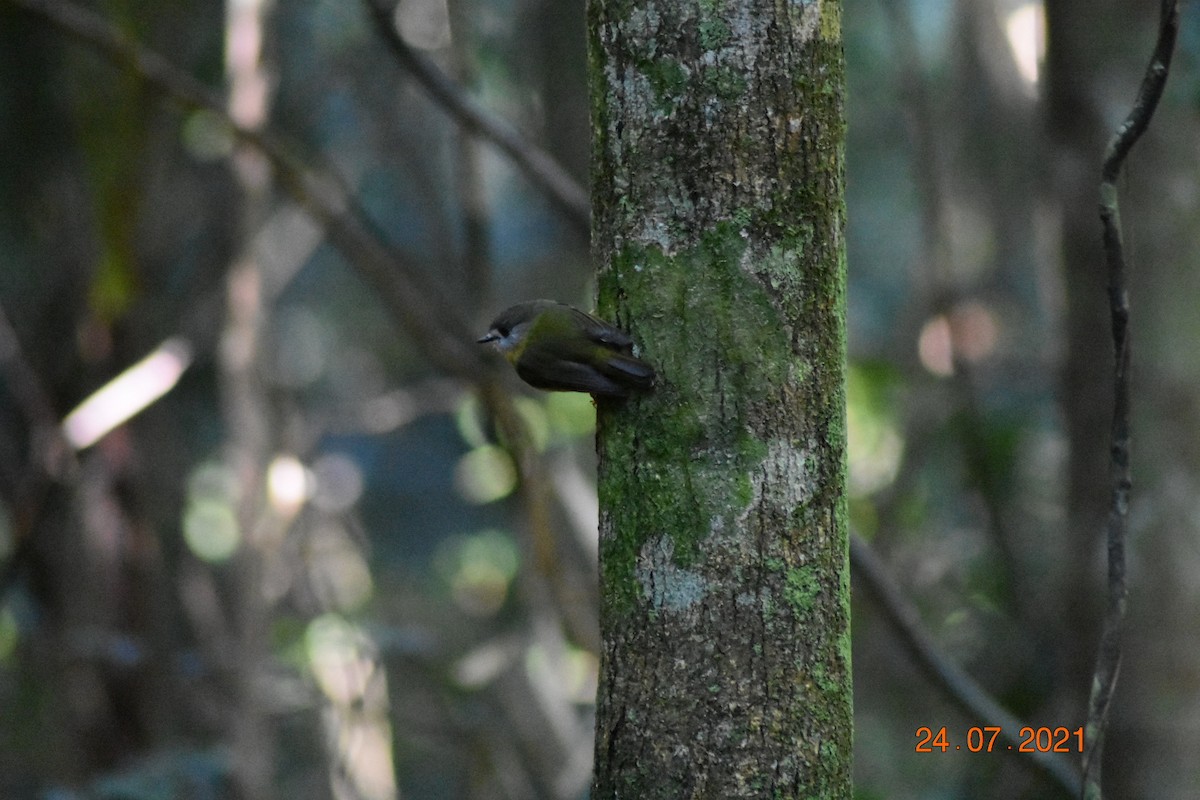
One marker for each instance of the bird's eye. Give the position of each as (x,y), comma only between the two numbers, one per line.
(503,332)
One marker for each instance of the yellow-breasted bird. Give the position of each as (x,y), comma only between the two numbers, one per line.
(560,348)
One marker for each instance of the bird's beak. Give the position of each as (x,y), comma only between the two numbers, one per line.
(490,336)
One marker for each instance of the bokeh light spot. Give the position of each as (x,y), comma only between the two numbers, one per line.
(485,475)
(210,528)
(479,569)
(338,482)
(287,484)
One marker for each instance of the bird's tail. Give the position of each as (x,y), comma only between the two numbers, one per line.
(630,371)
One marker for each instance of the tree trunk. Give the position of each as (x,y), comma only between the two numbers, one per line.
(718,235)
(1077,133)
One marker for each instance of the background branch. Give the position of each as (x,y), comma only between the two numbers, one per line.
(959,687)
(51,459)
(541,168)
(433,323)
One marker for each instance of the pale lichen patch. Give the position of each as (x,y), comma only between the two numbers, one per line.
(667,586)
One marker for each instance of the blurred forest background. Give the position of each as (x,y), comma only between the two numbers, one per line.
(306,570)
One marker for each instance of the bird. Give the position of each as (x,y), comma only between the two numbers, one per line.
(557,347)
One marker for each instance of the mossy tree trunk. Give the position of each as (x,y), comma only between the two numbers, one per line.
(718,234)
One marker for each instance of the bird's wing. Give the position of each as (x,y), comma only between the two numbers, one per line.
(600,331)
(546,371)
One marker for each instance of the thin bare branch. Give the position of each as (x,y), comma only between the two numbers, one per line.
(536,164)
(1108,659)
(961,689)
(51,458)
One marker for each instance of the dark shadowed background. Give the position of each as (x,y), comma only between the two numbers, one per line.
(301,571)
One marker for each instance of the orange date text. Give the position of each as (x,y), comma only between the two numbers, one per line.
(990,738)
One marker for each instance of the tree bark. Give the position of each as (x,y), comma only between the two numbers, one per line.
(718,234)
